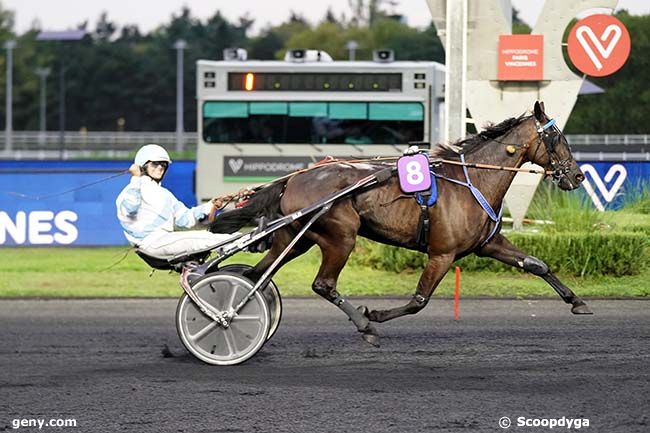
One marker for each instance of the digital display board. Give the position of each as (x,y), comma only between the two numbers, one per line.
(314,82)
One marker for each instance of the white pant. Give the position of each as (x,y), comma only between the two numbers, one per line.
(170,244)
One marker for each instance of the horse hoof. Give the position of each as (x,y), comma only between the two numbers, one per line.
(581,308)
(371,339)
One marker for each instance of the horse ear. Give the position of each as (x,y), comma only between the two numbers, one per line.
(539,110)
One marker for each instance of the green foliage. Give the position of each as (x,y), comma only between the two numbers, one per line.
(55,272)
(519,26)
(113,74)
(639,200)
(577,254)
(407,42)
(569,212)
(118,72)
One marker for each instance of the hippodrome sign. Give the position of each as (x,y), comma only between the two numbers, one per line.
(413,172)
(599,45)
(521,58)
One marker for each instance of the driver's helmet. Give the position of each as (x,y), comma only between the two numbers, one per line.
(151,152)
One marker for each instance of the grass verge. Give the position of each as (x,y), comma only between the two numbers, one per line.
(82,272)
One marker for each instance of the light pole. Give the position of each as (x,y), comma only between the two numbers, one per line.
(43,73)
(352,48)
(9,46)
(61,36)
(179,46)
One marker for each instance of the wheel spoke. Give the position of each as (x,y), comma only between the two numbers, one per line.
(231,303)
(203,332)
(248,317)
(230,341)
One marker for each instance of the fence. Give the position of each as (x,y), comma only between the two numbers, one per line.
(99,141)
(80,144)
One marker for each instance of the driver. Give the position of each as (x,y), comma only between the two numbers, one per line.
(149,213)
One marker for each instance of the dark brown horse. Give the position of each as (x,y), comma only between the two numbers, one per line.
(458,224)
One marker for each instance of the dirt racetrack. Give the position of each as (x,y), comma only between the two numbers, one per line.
(99,362)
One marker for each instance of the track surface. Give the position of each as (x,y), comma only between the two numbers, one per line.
(100,362)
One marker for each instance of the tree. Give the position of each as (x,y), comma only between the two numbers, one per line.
(519,26)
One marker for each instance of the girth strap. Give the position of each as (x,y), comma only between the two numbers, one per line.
(423,228)
(480,198)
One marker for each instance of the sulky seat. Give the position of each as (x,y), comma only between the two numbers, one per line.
(166,263)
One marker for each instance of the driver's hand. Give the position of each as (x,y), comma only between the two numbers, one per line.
(219,202)
(245,193)
(412,150)
(135,170)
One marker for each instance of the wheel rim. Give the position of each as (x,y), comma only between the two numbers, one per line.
(270,293)
(209,341)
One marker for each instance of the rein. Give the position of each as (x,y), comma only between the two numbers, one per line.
(435,161)
(56,194)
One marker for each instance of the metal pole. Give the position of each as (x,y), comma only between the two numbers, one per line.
(180,45)
(456,69)
(43,73)
(9,45)
(352,49)
(62,109)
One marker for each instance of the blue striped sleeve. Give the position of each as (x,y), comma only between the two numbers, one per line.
(131,198)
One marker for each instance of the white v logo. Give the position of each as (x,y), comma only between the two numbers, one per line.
(607,193)
(604,52)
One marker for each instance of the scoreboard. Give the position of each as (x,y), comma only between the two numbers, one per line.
(314,82)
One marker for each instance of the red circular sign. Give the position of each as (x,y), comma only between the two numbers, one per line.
(599,45)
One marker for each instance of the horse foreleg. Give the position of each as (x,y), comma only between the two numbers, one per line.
(501,249)
(433,273)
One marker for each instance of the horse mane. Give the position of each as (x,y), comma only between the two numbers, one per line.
(475,141)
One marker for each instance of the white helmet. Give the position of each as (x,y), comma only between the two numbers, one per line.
(151,152)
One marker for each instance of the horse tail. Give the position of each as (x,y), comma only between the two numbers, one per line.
(265,202)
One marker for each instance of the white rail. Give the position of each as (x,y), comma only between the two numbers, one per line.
(110,143)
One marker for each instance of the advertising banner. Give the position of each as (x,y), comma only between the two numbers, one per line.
(34,213)
(262,168)
(521,58)
(610,185)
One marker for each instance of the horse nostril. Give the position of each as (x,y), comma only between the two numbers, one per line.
(580,177)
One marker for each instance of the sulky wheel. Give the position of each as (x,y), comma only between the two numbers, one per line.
(270,292)
(211,342)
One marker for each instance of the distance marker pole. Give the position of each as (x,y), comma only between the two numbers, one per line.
(457,295)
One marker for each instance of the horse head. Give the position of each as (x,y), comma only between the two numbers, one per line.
(552,151)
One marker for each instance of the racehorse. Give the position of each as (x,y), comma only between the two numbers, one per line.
(458,224)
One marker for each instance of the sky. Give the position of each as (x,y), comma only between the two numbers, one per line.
(148,14)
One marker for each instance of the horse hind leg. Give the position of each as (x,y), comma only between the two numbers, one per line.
(433,273)
(336,251)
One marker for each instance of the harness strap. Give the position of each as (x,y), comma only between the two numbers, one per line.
(494,228)
(478,196)
(423,228)
(547,125)
(433,196)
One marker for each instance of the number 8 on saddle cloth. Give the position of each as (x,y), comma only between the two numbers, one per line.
(413,172)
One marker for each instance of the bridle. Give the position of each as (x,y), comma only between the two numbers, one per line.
(550,136)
